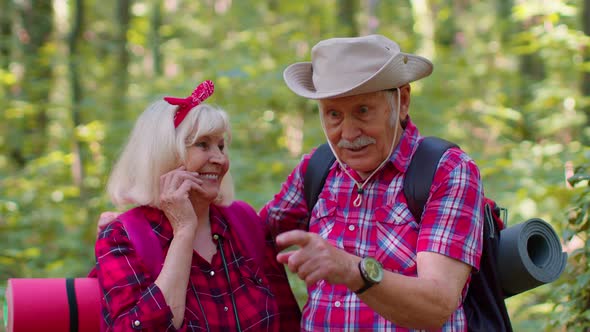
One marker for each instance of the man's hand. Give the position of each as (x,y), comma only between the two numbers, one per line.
(316,259)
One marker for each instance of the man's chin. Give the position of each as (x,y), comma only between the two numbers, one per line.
(352,155)
(356,157)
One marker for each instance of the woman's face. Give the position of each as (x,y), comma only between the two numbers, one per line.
(207,157)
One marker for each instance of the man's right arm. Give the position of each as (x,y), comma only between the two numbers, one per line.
(288,209)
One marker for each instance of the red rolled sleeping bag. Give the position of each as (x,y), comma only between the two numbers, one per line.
(58,305)
(73,304)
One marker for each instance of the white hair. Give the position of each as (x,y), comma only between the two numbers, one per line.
(394,115)
(155,147)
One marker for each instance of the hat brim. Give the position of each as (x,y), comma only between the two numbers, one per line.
(401,69)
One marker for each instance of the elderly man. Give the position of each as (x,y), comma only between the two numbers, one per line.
(367,263)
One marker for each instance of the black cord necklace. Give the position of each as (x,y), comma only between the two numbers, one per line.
(231,293)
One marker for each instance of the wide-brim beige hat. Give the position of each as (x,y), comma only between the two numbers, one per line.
(342,67)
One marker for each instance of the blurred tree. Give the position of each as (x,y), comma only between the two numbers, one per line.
(6,23)
(156,41)
(370,27)
(510,85)
(572,294)
(504,10)
(424,27)
(347,10)
(571,298)
(34,54)
(531,71)
(121,69)
(585,18)
(74,58)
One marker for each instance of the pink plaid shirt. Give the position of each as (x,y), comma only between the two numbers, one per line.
(132,301)
(383,227)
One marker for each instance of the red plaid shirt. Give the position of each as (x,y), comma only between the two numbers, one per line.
(383,227)
(131,300)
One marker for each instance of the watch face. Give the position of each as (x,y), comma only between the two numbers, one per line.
(373,269)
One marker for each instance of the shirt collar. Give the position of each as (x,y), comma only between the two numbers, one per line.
(218,223)
(403,152)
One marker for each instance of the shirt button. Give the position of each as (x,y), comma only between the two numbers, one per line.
(215,237)
(351,228)
(225,309)
(212,273)
(136,323)
(337,304)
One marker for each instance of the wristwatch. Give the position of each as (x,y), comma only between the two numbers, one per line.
(371,272)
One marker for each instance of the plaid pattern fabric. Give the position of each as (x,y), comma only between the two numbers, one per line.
(383,227)
(131,300)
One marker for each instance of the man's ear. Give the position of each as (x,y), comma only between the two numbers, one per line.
(404,91)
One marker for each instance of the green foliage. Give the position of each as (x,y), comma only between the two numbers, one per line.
(505,88)
(573,292)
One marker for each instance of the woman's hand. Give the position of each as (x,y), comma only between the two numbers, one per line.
(175,187)
(105,219)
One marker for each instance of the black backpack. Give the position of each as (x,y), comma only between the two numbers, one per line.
(484,305)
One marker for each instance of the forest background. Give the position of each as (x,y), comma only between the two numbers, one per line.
(510,86)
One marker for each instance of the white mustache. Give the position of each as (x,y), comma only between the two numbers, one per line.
(358,143)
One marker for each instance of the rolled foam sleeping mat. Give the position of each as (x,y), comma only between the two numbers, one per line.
(529,255)
(52,304)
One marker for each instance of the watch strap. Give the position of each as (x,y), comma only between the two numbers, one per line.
(367,282)
(363,289)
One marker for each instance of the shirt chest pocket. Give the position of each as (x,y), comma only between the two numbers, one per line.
(323,218)
(394,235)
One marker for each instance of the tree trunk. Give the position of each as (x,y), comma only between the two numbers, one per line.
(504,14)
(156,23)
(532,70)
(121,76)
(74,41)
(424,22)
(117,115)
(346,12)
(372,17)
(586,75)
(5,32)
(447,33)
(36,30)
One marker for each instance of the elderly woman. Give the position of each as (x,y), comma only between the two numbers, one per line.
(174,169)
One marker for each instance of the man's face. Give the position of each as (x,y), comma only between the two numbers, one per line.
(360,129)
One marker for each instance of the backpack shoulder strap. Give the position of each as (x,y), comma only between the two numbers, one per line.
(316,173)
(420,172)
(143,239)
(417,181)
(249,228)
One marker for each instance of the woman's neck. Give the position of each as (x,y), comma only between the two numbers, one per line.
(203,243)
(200,206)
